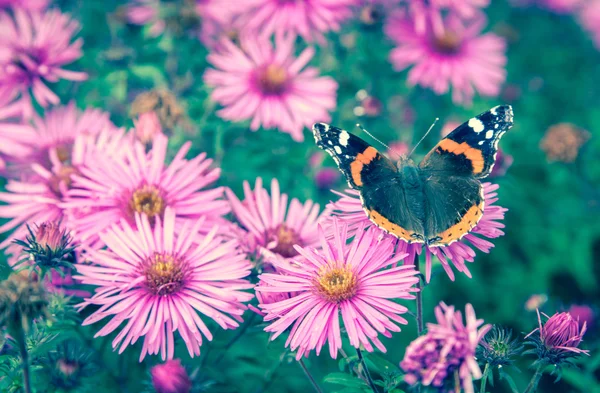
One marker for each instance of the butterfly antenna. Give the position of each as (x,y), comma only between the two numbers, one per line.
(372,136)
(423,137)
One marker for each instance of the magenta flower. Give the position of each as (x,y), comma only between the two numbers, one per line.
(272,227)
(108,191)
(349,209)
(267,84)
(429,12)
(33,5)
(147,126)
(217,19)
(460,59)
(16,137)
(309,18)
(34,48)
(589,18)
(170,377)
(160,281)
(445,351)
(325,178)
(358,281)
(584,314)
(559,338)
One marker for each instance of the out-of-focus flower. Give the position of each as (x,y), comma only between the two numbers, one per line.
(503,162)
(429,12)
(445,355)
(164,104)
(558,339)
(272,227)
(170,377)
(309,19)
(359,281)
(16,137)
(32,5)
(34,48)
(349,209)
(22,299)
(584,314)
(161,280)
(107,191)
(326,178)
(269,85)
(69,365)
(557,6)
(589,18)
(49,246)
(367,105)
(268,298)
(147,126)
(217,20)
(460,59)
(498,348)
(536,301)
(448,127)
(563,141)
(146,12)
(397,148)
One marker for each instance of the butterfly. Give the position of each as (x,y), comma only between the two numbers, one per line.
(436,202)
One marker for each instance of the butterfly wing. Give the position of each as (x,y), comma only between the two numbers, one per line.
(375,176)
(470,150)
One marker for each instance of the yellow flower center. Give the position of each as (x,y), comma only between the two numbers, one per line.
(272,79)
(286,239)
(449,43)
(165,274)
(62,176)
(147,200)
(336,284)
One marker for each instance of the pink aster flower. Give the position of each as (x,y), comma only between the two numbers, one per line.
(34,5)
(589,18)
(147,126)
(460,59)
(34,48)
(217,19)
(447,349)
(272,227)
(16,137)
(146,12)
(309,18)
(269,85)
(358,281)
(349,209)
(159,281)
(170,377)
(107,191)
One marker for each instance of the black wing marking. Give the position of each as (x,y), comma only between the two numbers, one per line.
(470,150)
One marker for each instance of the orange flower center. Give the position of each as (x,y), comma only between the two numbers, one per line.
(286,239)
(165,274)
(336,284)
(147,200)
(272,79)
(449,43)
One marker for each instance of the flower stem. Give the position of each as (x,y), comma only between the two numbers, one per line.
(420,326)
(20,338)
(239,335)
(366,370)
(484,378)
(532,387)
(309,376)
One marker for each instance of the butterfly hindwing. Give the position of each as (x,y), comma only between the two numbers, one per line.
(470,150)
(360,162)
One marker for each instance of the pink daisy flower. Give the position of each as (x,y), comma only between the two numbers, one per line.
(55,133)
(107,191)
(589,18)
(159,281)
(271,227)
(358,281)
(460,58)
(34,48)
(349,210)
(269,85)
(447,348)
(16,137)
(309,18)
(217,20)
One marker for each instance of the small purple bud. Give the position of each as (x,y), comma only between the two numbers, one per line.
(170,377)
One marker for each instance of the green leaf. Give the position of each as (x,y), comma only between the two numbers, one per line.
(377,363)
(150,72)
(344,379)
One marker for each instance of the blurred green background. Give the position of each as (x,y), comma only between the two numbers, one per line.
(552,241)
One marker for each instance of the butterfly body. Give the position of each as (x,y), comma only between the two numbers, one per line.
(435,202)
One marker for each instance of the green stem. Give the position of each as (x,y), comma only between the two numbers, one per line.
(366,370)
(533,384)
(21,342)
(235,338)
(484,378)
(309,376)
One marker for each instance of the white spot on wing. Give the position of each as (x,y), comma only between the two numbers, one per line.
(476,125)
(493,111)
(480,143)
(489,134)
(344,136)
(329,143)
(337,149)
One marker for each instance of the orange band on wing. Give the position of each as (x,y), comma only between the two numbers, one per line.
(472,154)
(361,160)
(458,230)
(394,229)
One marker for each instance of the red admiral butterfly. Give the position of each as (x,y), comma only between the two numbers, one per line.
(436,202)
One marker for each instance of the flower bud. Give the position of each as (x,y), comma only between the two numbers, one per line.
(170,377)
